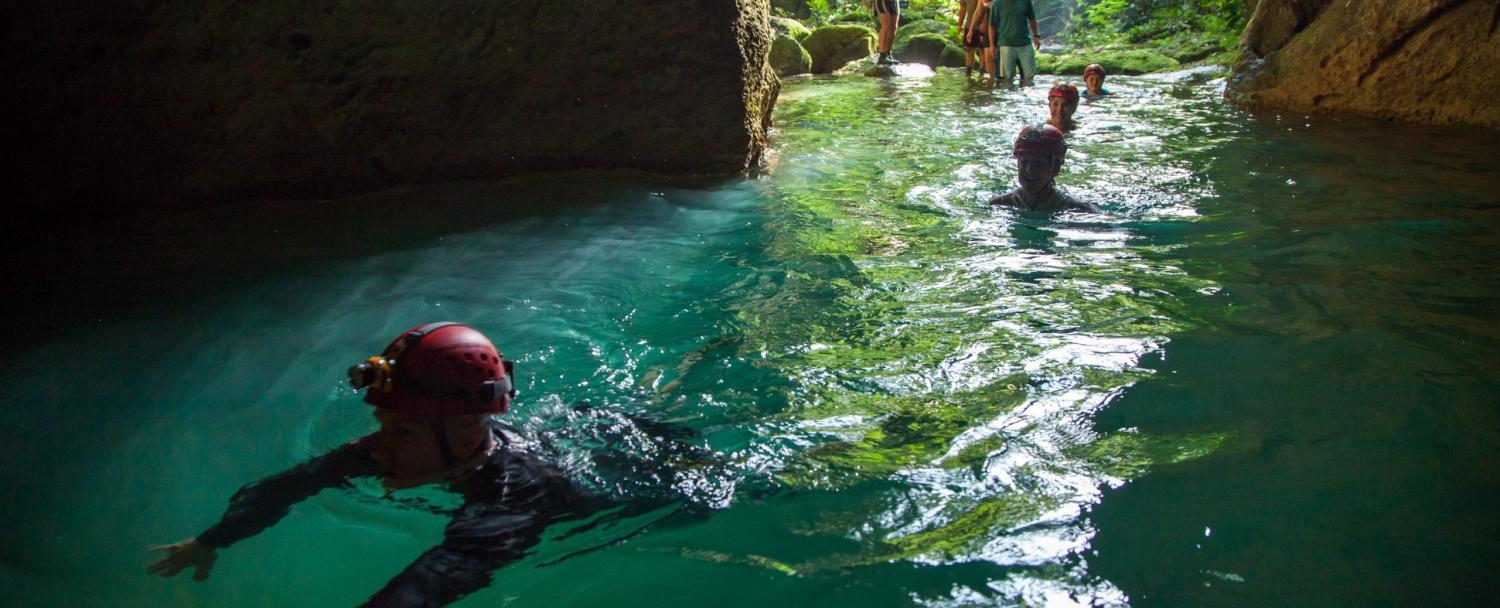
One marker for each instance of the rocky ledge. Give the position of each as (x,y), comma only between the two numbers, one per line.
(1416,60)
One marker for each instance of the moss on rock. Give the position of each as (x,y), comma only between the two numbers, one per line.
(786,26)
(788,57)
(953,57)
(925,26)
(1115,61)
(832,46)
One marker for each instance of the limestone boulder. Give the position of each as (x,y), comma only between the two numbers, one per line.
(833,46)
(924,26)
(952,57)
(206,101)
(1418,60)
(926,49)
(784,26)
(788,57)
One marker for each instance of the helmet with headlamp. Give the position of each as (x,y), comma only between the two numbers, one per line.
(1042,139)
(438,369)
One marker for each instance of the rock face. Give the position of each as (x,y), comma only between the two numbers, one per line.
(788,57)
(926,49)
(180,102)
(833,46)
(1419,60)
(784,26)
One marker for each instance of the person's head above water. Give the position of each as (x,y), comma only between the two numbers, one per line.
(1039,152)
(432,388)
(1062,101)
(1093,79)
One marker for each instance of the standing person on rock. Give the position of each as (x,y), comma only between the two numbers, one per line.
(889,14)
(977,36)
(1015,52)
(436,389)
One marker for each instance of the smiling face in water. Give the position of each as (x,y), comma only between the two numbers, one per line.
(1062,110)
(1035,171)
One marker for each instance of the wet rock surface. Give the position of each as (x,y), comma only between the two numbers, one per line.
(1417,60)
(184,103)
(833,46)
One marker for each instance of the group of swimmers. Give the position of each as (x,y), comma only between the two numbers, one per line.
(1040,149)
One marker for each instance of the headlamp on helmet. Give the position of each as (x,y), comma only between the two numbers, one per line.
(438,369)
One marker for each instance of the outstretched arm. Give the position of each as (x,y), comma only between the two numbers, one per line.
(259,505)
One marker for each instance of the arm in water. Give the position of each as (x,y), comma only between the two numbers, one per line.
(506,508)
(260,505)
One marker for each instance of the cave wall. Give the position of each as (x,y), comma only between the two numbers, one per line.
(1417,60)
(180,102)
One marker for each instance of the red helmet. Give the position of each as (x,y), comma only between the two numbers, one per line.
(438,369)
(1041,139)
(1066,91)
(1093,68)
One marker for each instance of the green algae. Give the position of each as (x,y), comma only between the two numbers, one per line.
(1128,455)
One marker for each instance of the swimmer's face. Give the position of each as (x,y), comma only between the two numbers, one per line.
(1094,81)
(1061,108)
(1035,171)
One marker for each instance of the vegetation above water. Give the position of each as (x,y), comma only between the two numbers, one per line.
(1125,36)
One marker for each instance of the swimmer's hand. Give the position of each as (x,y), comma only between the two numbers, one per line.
(181,555)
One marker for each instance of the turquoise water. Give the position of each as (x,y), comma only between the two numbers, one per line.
(1263,377)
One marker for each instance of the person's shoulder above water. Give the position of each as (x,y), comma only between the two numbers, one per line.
(1055,200)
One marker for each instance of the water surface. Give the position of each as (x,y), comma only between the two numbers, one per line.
(1264,376)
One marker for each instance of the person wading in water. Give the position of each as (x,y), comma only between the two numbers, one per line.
(436,389)
(1039,152)
(1062,103)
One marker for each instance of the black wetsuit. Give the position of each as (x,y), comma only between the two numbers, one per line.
(507,502)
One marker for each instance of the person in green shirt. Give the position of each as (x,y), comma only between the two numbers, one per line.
(1014,51)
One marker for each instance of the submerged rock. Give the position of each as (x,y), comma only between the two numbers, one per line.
(1418,60)
(788,57)
(833,46)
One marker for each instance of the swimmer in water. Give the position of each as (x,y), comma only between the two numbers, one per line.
(1062,102)
(436,390)
(1093,81)
(1039,152)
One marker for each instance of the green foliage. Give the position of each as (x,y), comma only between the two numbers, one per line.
(859,11)
(1185,30)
